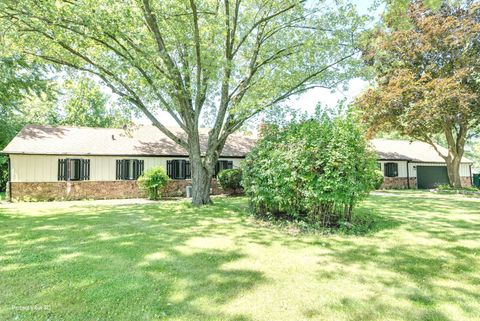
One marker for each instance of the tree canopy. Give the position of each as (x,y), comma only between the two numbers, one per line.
(427,78)
(227,59)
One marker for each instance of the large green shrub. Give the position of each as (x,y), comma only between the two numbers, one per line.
(230,180)
(153,181)
(315,170)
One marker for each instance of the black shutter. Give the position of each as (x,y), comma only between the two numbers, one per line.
(62,170)
(80,169)
(217,169)
(188,171)
(134,168)
(137,168)
(118,171)
(87,169)
(229,164)
(141,167)
(170,168)
(83,169)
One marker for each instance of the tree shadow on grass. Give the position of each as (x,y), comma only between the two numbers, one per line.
(132,262)
(423,269)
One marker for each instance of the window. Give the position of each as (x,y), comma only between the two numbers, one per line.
(129,169)
(73,169)
(390,169)
(178,169)
(221,165)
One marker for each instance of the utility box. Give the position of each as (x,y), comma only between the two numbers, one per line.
(189,191)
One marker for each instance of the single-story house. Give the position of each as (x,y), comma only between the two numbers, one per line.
(414,164)
(47,162)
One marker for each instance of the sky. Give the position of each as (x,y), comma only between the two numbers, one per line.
(307,102)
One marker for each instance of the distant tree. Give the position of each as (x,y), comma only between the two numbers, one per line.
(230,59)
(18,79)
(85,104)
(427,79)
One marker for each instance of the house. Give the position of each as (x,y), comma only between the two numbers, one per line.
(414,164)
(49,163)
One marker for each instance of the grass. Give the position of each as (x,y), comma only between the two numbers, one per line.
(169,261)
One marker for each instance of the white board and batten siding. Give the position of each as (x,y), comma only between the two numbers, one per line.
(412,171)
(44,168)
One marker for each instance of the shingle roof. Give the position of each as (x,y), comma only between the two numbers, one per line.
(150,141)
(390,149)
(143,140)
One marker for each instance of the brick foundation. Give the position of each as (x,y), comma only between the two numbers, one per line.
(398,183)
(50,191)
(401,182)
(466,181)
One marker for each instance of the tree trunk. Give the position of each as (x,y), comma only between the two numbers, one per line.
(201,174)
(201,183)
(453,170)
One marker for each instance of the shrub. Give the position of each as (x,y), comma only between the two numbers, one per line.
(378,179)
(230,180)
(314,171)
(3,173)
(153,181)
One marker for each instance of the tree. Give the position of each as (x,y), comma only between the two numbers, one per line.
(427,79)
(18,79)
(86,105)
(229,59)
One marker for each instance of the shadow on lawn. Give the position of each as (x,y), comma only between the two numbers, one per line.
(129,263)
(168,260)
(439,272)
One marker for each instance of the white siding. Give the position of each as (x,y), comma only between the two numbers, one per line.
(43,168)
(464,168)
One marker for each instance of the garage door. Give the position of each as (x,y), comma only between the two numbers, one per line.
(431,176)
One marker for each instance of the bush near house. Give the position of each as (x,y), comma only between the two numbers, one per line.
(3,173)
(378,179)
(230,180)
(153,181)
(314,171)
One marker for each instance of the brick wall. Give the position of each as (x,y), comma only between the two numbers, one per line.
(50,191)
(398,183)
(401,182)
(466,181)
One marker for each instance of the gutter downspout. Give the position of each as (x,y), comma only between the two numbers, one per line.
(471,176)
(9,183)
(408,176)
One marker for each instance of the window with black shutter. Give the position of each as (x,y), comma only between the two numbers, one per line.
(221,165)
(390,169)
(73,169)
(178,169)
(129,169)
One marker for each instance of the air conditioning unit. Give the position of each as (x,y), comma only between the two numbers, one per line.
(189,191)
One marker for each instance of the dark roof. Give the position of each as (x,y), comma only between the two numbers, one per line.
(140,141)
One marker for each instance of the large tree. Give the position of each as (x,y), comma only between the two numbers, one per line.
(427,78)
(230,59)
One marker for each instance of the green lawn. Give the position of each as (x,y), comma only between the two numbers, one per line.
(169,261)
